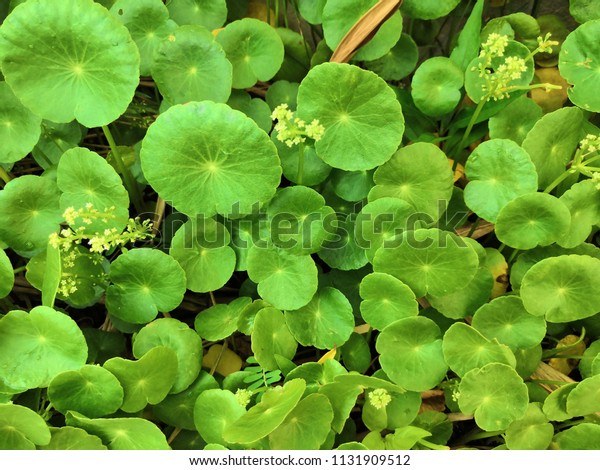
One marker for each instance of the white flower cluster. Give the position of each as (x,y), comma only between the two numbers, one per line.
(243,396)
(379,398)
(293,131)
(590,144)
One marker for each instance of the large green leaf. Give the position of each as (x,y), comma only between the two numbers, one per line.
(224,161)
(145,282)
(177,336)
(349,102)
(562,288)
(21,428)
(201,247)
(584,10)
(325,322)
(29,213)
(578,63)
(583,201)
(584,436)
(69,60)
(122,433)
(37,346)
(420,175)
(411,353)
(495,394)
(429,261)
(284,280)
(214,411)
(19,128)
(498,171)
(148,23)
(436,86)
(532,432)
(306,427)
(254,49)
(552,141)
(147,380)
(191,66)
(220,321)
(91,390)
(262,419)
(208,13)
(7,276)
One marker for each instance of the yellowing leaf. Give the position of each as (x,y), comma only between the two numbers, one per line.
(459,171)
(227,361)
(554,99)
(258,9)
(328,355)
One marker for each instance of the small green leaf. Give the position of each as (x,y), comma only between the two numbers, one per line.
(220,321)
(436,86)
(495,394)
(70,438)
(399,62)
(271,338)
(214,411)
(7,276)
(532,432)
(428,9)
(584,436)
(208,13)
(584,399)
(147,380)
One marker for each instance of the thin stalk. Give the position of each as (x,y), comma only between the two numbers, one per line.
(474,227)
(513,256)
(19,270)
(300,176)
(219,357)
(173,435)
(130,184)
(4,175)
(276,13)
(501,248)
(472,122)
(557,181)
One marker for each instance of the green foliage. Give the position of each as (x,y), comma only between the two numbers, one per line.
(214,237)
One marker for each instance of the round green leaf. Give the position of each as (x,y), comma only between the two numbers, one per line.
(91,390)
(516,120)
(70,438)
(214,411)
(428,9)
(85,177)
(178,409)
(551,142)
(349,102)
(145,282)
(147,380)
(584,10)
(411,353)
(284,280)
(78,62)
(495,394)
(466,349)
(419,174)
(148,23)
(351,186)
(19,128)
(381,220)
(555,404)
(465,301)
(532,432)
(191,66)
(498,171)
(506,320)
(299,220)
(296,60)
(177,336)
(220,321)
(37,346)
(578,62)
(266,416)
(306,427)
(202,143)
(340,15)
(586,363)
(325,322)
(200,246)
(356,353)
(436,86)
(21,428)
(385,300)
(254,49)
(271,338)
(399,62)
(344,252)
(429,261)
(29,213)
(312,10)
(562,288)
(584,399)
(583,201)
(122,433)
(531,220)
(7,276)
(584,436)
(208,13)
(281,92)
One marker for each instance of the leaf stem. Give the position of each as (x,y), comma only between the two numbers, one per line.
(130,183)
(19,270)
(472,122)
(558,180)
(300,176)
(4,175)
